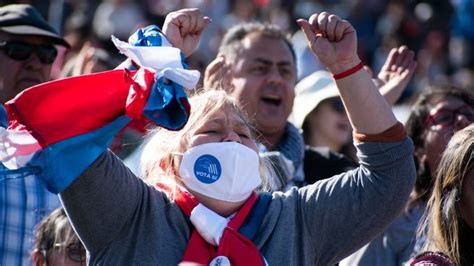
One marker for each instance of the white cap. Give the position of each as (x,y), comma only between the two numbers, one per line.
(309,93)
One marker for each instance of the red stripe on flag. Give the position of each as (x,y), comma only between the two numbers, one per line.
(65,108)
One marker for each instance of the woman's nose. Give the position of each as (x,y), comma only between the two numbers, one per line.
(232,136)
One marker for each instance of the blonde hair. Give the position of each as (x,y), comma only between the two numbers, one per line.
(442,220)
(158,163)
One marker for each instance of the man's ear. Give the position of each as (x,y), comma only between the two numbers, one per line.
(228,77)
(38,258)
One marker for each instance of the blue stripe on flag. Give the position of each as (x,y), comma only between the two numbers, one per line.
(64,161)
(3,116)
(148,36)
(164,105)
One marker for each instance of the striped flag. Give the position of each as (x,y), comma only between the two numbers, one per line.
(62,126)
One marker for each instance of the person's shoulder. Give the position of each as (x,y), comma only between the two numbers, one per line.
(431,258)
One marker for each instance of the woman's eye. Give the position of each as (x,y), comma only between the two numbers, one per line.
(244,135)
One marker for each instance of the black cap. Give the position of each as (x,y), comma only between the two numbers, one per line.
(26,20)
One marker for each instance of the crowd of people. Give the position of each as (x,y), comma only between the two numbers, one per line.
(290,149)
(439,32)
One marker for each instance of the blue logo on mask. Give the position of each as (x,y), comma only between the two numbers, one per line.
(207,169)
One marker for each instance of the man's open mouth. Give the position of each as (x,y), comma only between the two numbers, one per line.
(272,100)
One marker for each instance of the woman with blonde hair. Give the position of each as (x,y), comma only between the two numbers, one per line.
(206,208)
(448,223)
(165,147)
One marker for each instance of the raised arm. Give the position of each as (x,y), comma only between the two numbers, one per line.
(346,211)
(334,42)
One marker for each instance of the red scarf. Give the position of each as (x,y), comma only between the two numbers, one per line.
(233,245)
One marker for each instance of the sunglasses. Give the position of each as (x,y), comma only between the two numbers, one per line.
(75,251)
(445,117)
(22,51)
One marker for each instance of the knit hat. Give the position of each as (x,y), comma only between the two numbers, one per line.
(309,93)
(23,19)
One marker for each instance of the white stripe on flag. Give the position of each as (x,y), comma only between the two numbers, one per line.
(16,148)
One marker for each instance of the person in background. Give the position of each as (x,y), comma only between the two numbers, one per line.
(56,243)
(448,223)
(319,112)
(256,64)
(27,51)
(435,117)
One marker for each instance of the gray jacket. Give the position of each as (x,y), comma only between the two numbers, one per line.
(394,247)
(123,221)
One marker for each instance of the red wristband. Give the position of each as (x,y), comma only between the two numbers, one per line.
(348,72)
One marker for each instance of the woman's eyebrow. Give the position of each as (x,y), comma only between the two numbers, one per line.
(241,125)
(216,120)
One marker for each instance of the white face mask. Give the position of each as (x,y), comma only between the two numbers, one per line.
(226,171)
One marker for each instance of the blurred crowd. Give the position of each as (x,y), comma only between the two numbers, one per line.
(440,31)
